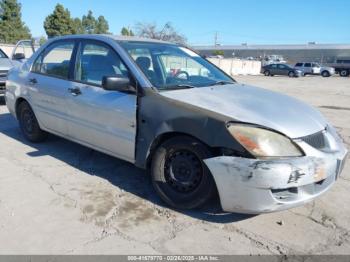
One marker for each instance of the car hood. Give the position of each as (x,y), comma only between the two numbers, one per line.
(254,105)
(5,64)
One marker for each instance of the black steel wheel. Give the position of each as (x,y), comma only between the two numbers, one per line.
(183,171)
(29,124)
(179,174)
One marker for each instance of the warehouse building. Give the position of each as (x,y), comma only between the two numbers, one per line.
(311,52)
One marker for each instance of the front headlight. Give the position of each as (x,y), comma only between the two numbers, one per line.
(264,143)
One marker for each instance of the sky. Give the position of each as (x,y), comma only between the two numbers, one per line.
(234,21)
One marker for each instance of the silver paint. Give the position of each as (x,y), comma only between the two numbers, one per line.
(107,121)
(245,185)
(256,106)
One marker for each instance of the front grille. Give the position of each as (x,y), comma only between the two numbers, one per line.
(3,73)
(317,140)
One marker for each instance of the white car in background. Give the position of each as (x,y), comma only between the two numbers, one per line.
(315,69)
(5,65)
(17,57)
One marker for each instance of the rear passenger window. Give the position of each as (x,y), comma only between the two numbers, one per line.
(299,64)
(96,61)
(307,65)
(56,61)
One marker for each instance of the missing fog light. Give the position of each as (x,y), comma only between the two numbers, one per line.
(285,194)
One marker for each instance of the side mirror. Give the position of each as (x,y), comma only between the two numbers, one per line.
(113,83)
(18,56)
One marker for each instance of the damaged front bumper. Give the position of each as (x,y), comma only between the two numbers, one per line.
(259,186)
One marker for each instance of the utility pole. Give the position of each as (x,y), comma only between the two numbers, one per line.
(216,39)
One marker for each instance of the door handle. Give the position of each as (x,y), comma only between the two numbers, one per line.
(33,81)
(75,91)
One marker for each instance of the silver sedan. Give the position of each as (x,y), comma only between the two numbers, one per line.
(164,108)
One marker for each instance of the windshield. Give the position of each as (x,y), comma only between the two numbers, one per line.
(170,66)
(2,54)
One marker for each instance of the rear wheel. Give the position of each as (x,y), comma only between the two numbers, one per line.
(29,124)
(179,174)
(267,73)
(344,73)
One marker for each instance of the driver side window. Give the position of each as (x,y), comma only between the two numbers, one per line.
(97,60)
(144,60)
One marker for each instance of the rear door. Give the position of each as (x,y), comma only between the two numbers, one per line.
(274,69)
(103,119)
(48,83)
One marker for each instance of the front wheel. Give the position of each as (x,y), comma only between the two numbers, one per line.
(267,73)
(29,124)
(291,74)
(326,74)
(179,174)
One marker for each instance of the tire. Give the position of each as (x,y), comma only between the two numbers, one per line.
(326,74)
(267,73)
(179,175)
(291,74)
(29,124)
(344,73)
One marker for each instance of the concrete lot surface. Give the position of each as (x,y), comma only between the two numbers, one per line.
(62,198)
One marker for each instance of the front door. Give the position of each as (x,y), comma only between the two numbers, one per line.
(282,70)
(307,68)
(103,119)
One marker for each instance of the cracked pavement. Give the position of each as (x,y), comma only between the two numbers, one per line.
(62,198)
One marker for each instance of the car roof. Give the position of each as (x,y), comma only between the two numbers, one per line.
(113,37)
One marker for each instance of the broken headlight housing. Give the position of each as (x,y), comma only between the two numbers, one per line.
(263,143)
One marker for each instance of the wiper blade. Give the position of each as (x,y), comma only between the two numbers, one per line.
(222,83)
(178,87)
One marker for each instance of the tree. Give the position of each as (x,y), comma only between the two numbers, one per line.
(59,22)
(167,33)
(89,23)
(92,26)
(218,53)
(42,40)
(102,26)
(127,32)
(12,27)
(78,26)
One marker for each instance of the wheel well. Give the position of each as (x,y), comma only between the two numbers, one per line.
(18,102)
(166,136)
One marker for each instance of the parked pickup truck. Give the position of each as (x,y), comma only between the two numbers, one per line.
(341,66)
(315,69)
